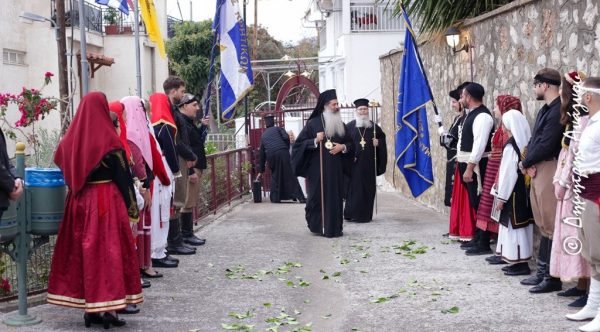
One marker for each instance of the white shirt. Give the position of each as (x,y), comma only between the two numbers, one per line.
(587,160)
(507,174)
(482,127)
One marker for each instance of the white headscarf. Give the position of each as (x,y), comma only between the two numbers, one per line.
(518,126)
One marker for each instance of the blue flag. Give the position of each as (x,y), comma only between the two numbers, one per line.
(116,4)
(413,154)
(236,70)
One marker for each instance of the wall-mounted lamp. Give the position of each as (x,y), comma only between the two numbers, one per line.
(306,73)
(289,73)
(453,39)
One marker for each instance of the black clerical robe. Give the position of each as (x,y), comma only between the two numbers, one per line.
(275,148)
(306,163)
(362,180)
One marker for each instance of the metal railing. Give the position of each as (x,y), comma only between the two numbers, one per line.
(226,179)
(225,142)
(374,18)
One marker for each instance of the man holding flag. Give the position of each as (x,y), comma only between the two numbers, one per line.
(413,155)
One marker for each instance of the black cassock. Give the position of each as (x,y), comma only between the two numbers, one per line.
(275,148)
(306,163)
(361,187)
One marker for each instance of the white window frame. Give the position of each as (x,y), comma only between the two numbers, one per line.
(13,57)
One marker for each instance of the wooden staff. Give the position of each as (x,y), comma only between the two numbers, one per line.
(322,197)
(375,153)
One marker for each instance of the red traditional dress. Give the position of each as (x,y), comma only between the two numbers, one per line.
(94,266)
(462,215)
(484,211)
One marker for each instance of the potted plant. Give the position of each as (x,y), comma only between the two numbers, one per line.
(45,188)
(111,16)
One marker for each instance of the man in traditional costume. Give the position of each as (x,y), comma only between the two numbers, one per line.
(540,164)
(98,208)
(472,156)
(275,148)
(321,152)
(165,130)
(587,171)
(189,107)
(515,236)
(370,159)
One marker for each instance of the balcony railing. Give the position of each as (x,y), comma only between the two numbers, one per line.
(374,18)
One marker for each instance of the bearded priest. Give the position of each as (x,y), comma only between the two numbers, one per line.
(322,151)
(370,159)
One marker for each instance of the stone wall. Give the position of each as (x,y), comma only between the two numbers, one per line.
(510,45)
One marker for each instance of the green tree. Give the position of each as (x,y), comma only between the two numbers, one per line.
(189,54)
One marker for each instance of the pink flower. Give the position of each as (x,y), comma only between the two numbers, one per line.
(5,285)
(48,74)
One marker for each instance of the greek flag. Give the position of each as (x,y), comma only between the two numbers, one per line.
(116,4)
(236,71)
(413,154)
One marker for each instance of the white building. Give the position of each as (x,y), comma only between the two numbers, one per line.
(352,36)
(29,50)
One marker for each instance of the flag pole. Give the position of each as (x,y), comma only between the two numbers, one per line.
(138,67)
(321,180)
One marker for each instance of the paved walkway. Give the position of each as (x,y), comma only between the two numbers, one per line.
(394,274)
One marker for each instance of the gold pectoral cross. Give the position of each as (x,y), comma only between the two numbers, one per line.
(362,143)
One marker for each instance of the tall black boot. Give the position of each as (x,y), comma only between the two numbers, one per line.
(538,277)
(483,245)
(550,283)
(473,242)
(175,245)
(187,230)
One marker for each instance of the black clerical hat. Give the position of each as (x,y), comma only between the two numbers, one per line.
(361,102)
(325,97)
(476,91)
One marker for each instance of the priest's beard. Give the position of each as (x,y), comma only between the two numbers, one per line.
(333,123)
(362,121)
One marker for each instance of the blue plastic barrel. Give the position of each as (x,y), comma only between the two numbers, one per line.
(46,193)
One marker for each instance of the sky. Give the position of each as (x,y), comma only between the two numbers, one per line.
(282,18)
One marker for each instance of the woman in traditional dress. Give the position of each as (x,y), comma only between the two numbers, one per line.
(449,141)
(504,103)
(515,236)
(563,265)
(94,263)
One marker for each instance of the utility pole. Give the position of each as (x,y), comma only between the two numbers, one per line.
(255,29)
(63,82)
(83,50)
(246,119)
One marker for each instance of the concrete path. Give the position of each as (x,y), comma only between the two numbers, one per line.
(394,274)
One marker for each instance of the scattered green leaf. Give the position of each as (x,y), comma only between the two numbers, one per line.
(336,274)
(267,305)
(453,310)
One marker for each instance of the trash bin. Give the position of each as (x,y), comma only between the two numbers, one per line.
(257,191)
(46,193)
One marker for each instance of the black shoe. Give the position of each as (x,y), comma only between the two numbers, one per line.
(446,235)
(506,268)
(468,245)
(171,258)
(572,292)
(518,269)
(495,260)
(151,276)
(130,309)
(547,285)
(164,262)
(580,302)
(146,283)
(532,281)
(478,250)
(193,240)
(180,250)
(302,200)
(108,320)
(91,318)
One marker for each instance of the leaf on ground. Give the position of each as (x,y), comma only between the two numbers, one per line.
(363,271)
(304,283)
(453,310)
(326,316)
(366,255)
(306,301)
(336,274)
(267,305)
(296,312)
(344,261)
(211,264)
(290,283)
(325,277)
(322,271)
(355,329)
(239,315)
(237,327)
